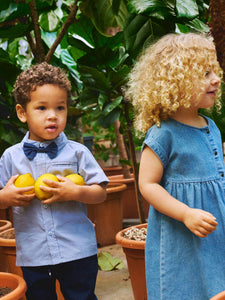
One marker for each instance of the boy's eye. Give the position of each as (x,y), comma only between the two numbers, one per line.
(61,107)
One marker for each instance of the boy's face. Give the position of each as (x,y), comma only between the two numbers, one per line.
(46,113)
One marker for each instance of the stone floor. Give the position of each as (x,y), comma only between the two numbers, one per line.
(114,285)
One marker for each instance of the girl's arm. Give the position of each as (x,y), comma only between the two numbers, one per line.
(198,221)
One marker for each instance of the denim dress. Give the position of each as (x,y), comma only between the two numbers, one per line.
(180,265)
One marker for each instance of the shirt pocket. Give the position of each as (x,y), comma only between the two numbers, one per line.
(63,168)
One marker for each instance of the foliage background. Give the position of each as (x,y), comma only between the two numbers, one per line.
(97,42)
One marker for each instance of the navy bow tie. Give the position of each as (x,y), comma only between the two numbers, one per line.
(30,150)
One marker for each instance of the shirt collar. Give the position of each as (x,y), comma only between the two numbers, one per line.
(60,141)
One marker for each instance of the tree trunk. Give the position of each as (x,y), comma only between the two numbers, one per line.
(217,27)
(134,163)
(121,149)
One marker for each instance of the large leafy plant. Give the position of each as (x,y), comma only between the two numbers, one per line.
(75,35)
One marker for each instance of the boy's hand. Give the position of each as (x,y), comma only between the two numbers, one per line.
(64,190)
(13,196)
(200,222)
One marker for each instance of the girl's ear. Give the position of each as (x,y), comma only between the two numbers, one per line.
(21,113)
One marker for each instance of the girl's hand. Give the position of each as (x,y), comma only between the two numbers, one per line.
(200,222)
(13,196)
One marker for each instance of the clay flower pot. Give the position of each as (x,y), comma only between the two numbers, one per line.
(108,215)
(8,248)
(135,256)
(220,296)
(4,225)
(14,282)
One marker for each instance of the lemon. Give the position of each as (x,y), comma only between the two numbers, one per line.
(42,195)
(25,180)
(76,178)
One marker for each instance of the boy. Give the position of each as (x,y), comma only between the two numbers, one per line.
(54,237)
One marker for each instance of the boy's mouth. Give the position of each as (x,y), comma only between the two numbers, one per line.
(51,128)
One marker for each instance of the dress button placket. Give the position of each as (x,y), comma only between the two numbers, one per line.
(215,151)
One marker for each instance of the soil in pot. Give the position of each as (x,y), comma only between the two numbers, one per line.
(12,286)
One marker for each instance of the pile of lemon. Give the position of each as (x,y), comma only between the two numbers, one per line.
(26,180)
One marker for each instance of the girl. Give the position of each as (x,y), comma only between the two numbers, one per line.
(182,167)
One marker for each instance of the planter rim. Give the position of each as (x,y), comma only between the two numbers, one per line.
(113,187)
(5,224)
(126,243)
(120,178)
(4,242)
(14,281)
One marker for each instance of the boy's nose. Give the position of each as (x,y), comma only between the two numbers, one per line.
(51,114)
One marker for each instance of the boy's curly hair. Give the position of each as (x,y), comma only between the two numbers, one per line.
(162,80)
(38,75)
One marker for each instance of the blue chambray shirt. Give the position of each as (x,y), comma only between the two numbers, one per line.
(58,232)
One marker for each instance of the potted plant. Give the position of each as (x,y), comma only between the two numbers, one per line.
(132,239)
(108,215)
(12,286)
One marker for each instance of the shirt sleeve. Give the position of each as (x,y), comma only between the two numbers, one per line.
(5,169)
(90,169)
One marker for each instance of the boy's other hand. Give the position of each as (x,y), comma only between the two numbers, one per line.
(64,190)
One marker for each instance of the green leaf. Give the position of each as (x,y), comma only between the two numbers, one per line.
(107,121)
(7,11)
(94,79)
(159,9)
(111,106)
(67,60)
(104,15)
(108,263)
(14,31)
(198,25)
(49,21)
(187,9)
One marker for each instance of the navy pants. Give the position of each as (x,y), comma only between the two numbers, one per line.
(77,280)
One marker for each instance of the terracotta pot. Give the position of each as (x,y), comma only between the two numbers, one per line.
(108,215)
(111,171)
(135,256)
(130,210)
(8,246)
(4,225)
(220,296)
(16,283)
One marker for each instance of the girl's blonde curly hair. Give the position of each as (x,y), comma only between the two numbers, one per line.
(162,79)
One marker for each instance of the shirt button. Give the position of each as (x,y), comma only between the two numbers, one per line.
(215,152)
(222,174)
(207,131)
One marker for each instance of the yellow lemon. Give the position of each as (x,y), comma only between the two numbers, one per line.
(76,178)
(42,195)
(25,180)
